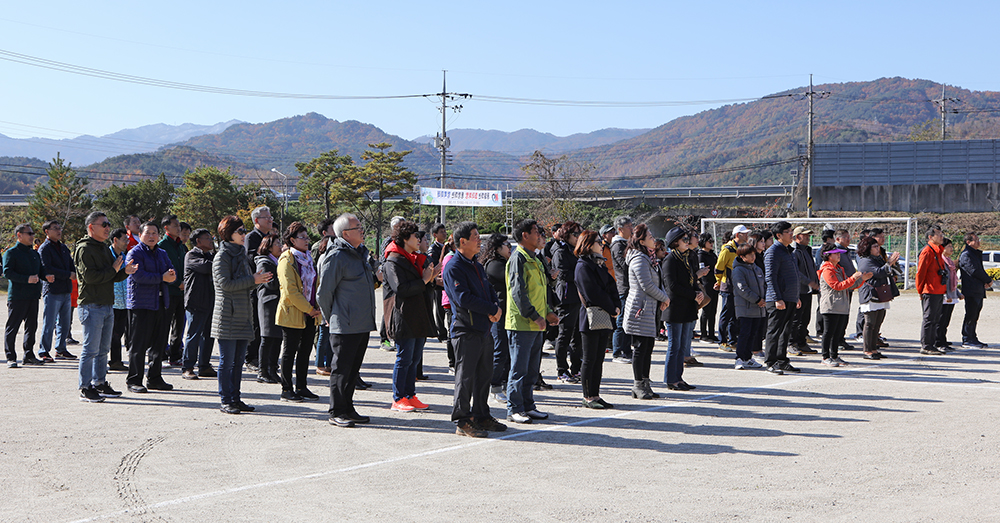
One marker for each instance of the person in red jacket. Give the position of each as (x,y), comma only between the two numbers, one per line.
(932,281)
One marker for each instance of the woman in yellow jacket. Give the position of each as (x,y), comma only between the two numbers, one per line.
(297,312)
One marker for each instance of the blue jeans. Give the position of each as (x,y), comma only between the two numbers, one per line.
(525,358)
(323,352)
(404,372)
(678,342)
(198,341)
(232,353)
(55,306)
(727,318)
(501,354)
(98,324)
(621,343)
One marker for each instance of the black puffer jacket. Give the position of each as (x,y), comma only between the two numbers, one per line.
(412,315)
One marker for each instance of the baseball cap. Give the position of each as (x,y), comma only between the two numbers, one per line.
(740,229)
(606,229)
(801,230)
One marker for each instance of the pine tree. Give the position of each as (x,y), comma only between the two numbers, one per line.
(62,197)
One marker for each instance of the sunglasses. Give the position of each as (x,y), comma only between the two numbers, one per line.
(106,224)
(241,230)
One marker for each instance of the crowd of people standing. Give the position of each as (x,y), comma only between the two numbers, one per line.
(267,298)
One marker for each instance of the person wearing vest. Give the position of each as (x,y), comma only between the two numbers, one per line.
(723,273)
(528,313)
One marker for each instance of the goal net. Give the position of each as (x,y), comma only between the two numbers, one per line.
(900,234)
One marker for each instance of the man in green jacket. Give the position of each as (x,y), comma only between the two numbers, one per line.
(22,267)
(97,271)
(173,245)
(528,312)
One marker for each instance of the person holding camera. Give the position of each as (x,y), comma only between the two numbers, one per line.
(932,282)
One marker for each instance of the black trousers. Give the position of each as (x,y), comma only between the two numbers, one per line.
(568,340)
(18,312)
(973,306)
(834,326)
(253,348)
(176,318)
(149,341)
(120,330)
(345,366)
(778,332)
(873,323)
(473,371)
(296,348)
(642,356)
(941,336)
(800,321)
(269,352)
(707,326)
(594,343)
(931,304)
(439,317)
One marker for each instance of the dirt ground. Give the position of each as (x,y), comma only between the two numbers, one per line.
(907,438)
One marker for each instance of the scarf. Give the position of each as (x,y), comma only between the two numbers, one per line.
(416,259)
(307,271)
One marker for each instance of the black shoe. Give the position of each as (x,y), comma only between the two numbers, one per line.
(541,385)
(362,384)
(189,374)
(263,377)
(287,395)
(71,341)
(847,346)
(871,356)
(491,425)
(90,395)
(159,385)
(252,366)
(31,361)
(229,408)
(207,372)
(423,377)
(64,355)
(787,367)
(341,421)
(356,418)
(117,366)
(775,369)
(106,391)
(468,428)
(930,351)
(680,385)
(137,389)
(307,395)
(688,385)
(243,406)
(46,358)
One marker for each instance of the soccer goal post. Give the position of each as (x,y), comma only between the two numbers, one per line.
(895,229)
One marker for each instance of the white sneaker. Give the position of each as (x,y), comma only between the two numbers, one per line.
(741,364)
(622,359)
(830,362)
(535,414)
(753,364)
(518,417)
(500,397)
(694,354)
(840,361)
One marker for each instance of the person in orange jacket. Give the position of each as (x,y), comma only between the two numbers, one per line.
(834,300)
(932,282)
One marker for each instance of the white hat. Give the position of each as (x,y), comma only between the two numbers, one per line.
(740,229)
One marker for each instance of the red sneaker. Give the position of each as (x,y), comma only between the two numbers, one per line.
(417,404)
(402,405)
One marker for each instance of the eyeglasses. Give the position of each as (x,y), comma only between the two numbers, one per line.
(301,237)
(29,233)
(358,228)
(241,230)
(106,225)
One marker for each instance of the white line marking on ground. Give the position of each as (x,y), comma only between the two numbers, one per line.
(547,428)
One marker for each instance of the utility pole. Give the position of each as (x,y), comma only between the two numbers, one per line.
(942,104)
(809,147)
(284,197)
(441,141)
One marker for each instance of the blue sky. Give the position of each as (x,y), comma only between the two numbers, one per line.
(577,51)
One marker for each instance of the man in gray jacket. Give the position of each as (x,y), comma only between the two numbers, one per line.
(808,283)
(346,296)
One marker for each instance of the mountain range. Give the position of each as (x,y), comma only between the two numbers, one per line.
(87,149)
(750,143)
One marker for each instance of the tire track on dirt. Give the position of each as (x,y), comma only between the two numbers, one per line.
(125,482)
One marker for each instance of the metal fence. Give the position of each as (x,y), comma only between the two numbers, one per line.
(905,163)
